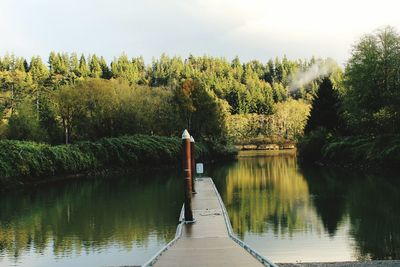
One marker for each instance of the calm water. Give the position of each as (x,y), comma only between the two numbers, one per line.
(291,214)
(287,213)
(104,222)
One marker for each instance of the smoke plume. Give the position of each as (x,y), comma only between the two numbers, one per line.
(319,69)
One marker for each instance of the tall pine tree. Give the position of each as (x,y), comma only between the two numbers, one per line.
(83,67)
(325,109)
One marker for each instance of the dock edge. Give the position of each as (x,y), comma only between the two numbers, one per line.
(178,234)
(253,252)
(241,243)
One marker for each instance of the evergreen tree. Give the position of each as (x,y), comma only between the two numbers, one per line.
(325,109)
(54,63)
(105,70)
(123,68)
(237,68)
(6,63)
(278,70)
(279,92)
(83,67)
(39,74)
(38,70)
(269,72)
(139,67)
(74,63)
(95,67)
(26,65)
(65,64)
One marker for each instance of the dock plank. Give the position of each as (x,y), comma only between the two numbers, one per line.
(206,242)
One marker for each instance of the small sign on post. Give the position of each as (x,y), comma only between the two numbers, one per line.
(199,168)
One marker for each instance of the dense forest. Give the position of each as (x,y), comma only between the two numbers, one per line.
(71,98)
(358,123)
(74,98)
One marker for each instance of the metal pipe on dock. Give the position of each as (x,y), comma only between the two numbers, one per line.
(187,175)
(193,163)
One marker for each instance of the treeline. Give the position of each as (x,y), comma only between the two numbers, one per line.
(83,98)
(359,124)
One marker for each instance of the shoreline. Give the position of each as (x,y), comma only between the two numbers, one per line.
(29,163)
(382,263)
(355,152)
(264,147)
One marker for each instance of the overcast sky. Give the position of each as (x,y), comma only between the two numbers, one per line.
(250,29)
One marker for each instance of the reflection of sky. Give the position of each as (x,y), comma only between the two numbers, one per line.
(111,255)
(115,221)
(272,208)
(304,246)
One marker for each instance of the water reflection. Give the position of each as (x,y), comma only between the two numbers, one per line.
(261,194)
(374,211)
(135,214)
(328,189)
(310,214)
(286,212)
(370,201)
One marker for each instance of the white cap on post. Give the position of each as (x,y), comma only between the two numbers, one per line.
(191,139)
(185,134)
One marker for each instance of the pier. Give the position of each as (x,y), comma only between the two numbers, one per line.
(209,241)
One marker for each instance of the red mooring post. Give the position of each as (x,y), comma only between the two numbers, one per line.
(193,163)
(187,176)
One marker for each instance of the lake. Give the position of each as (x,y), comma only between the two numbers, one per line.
(286,212)
(293,214)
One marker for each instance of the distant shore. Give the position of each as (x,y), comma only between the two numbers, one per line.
(265,147)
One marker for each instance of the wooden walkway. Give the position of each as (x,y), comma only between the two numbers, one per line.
(209,241)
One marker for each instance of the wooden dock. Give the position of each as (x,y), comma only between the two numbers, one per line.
(210,240)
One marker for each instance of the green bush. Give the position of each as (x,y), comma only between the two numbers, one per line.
(30,159)
(25,124)
(381,151)
(220,150)
(311,146)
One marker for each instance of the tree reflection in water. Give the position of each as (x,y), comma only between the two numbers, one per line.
(88,216)
(268,197)
(268,192)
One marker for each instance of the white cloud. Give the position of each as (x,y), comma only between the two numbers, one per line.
(250,29)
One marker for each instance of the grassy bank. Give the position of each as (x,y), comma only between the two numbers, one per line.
(20,160)
(357,151)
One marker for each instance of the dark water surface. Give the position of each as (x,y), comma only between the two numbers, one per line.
(287,213)
(103,222)
(304,215)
